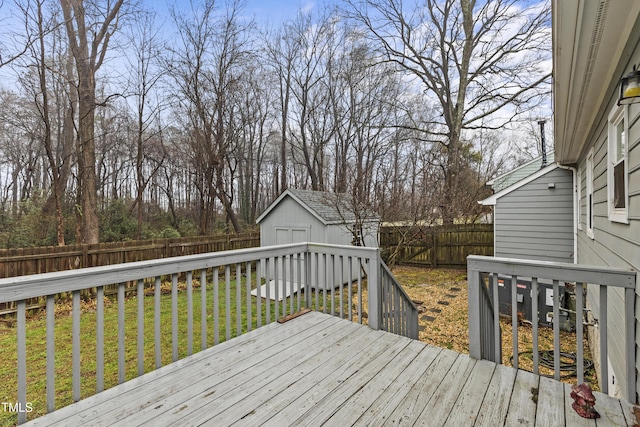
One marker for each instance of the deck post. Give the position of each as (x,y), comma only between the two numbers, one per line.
(374,289)
(473,276)
(630,345)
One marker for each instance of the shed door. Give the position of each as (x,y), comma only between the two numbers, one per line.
(285,235)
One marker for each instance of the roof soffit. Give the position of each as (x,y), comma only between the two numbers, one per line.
(589,40)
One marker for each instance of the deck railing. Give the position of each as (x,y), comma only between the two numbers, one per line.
(234,297)
(485,338)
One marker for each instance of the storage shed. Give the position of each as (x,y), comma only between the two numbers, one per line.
(317,216)
(533,213)
(320,217)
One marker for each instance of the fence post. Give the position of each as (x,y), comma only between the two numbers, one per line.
(473,283)
(434,245)
(374,290)
(85,255)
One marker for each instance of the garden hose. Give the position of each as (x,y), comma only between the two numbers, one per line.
(567,369)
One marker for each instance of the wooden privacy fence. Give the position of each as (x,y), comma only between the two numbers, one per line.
(23,261)
(436,246)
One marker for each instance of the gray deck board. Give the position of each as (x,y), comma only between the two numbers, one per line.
(496,400)
(321,370)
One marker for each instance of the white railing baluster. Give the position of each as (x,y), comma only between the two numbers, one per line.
(514,319)
(238,299)
(203,309)
(121,366)
(325,279)
(604,352)
(21,330)
(156,321)
(299,281)
(630,345)
(350,289)
(248,295)
(227,301)
(534,327)
(174,317)
(333,285)
(75,333)
(259,269)
(341,287)
(291,285)
(99,338)
(189,277)
(360,291)
(140,327)
(276,277)
(283,271)
(307,267)
(579,332)
(556,330)
(268,289)
(216,307)
(51,353)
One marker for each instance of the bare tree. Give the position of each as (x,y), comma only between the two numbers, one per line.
(145,78)
(43,109)
(481,62)
(207,69)
(90,26)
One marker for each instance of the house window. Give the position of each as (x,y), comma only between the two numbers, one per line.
(617,176)
(589,195)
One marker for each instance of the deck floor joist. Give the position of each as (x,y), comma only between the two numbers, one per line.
(320,370)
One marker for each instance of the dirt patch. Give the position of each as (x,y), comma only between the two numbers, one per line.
(443,295)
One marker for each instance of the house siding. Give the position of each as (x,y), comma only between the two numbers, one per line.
(535,221)
(613,244)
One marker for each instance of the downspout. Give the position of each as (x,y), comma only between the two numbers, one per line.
(574,173)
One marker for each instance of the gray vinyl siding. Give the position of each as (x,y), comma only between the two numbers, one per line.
(535,221)
(613,244)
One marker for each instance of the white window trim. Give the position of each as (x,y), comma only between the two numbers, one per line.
(589,192)
(618,113)
(579,198)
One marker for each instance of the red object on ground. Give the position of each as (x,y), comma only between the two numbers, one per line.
(584,401)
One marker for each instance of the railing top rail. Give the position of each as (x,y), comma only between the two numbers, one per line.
(36,285)
(566,272)
(345,250)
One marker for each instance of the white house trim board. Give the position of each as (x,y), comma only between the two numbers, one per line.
(491,201)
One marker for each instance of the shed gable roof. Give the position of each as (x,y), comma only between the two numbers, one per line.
(328,208)
(508,179)
(490,201)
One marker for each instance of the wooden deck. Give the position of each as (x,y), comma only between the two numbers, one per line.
(320,370)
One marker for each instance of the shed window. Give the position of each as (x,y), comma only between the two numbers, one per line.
(617,181)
